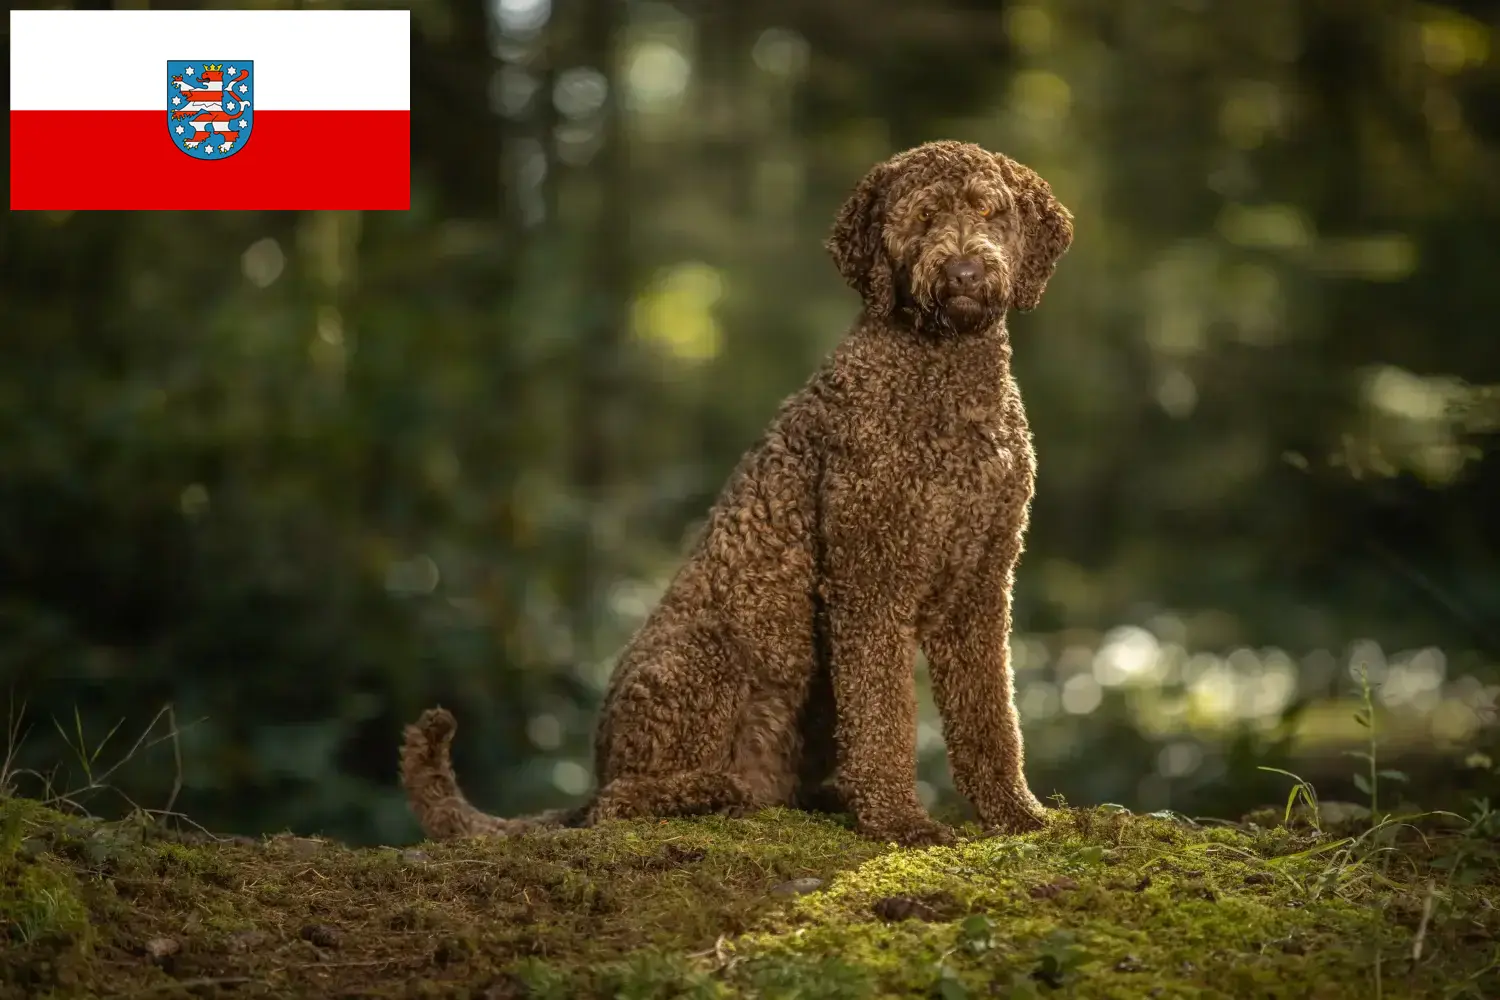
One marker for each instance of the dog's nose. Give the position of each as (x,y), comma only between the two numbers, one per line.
(963,274)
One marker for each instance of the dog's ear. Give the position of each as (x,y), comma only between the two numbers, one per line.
(1047,228)
(857,242)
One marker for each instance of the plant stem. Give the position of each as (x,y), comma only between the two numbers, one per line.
(1369,696)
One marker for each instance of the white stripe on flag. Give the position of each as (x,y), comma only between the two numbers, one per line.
(305,60)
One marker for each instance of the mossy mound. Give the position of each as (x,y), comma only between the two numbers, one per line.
(785,905)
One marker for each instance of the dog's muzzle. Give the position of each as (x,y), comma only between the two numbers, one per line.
(967,292)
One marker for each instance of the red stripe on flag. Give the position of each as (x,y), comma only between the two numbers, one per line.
(126,160)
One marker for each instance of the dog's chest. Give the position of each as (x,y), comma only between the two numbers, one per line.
(976,488)
(979,458)
(973,479)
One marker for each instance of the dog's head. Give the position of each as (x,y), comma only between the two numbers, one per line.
(952,232)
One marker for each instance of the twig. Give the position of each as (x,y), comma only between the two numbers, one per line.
(176,759)
(369,963)
(188,984)
(1421,936)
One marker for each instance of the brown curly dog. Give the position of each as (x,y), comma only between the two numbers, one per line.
(886,506)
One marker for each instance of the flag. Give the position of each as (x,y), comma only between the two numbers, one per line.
(210,109)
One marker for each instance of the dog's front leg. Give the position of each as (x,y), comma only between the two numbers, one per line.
(875,697)
(869,596)
(968,652)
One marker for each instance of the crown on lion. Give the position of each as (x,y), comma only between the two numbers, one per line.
(214,67)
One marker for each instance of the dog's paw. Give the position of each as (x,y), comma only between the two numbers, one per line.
(916,831)
(1022,814)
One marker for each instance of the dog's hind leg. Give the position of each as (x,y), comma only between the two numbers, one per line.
(667,733)
(687,793)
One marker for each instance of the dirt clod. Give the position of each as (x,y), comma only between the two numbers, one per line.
(935,907)
(320,935)
(1053,889)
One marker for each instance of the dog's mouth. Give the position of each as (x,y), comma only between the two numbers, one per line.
(964,309)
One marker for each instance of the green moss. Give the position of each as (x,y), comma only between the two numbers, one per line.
(1100,904)
(38,894)
(38,902)
(44,923)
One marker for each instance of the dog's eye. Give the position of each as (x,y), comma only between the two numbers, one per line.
(986,211)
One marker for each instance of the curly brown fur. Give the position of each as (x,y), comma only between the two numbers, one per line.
(431,787)
(885,507)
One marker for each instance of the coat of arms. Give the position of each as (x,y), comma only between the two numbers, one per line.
(208,106)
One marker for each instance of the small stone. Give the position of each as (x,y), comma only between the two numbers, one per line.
(162,948)
(412,856)
(796,887)
(321,935)
(1129,964)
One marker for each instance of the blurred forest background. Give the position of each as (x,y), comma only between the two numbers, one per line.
(300,475)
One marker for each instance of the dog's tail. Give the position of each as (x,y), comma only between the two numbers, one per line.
(432,789)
